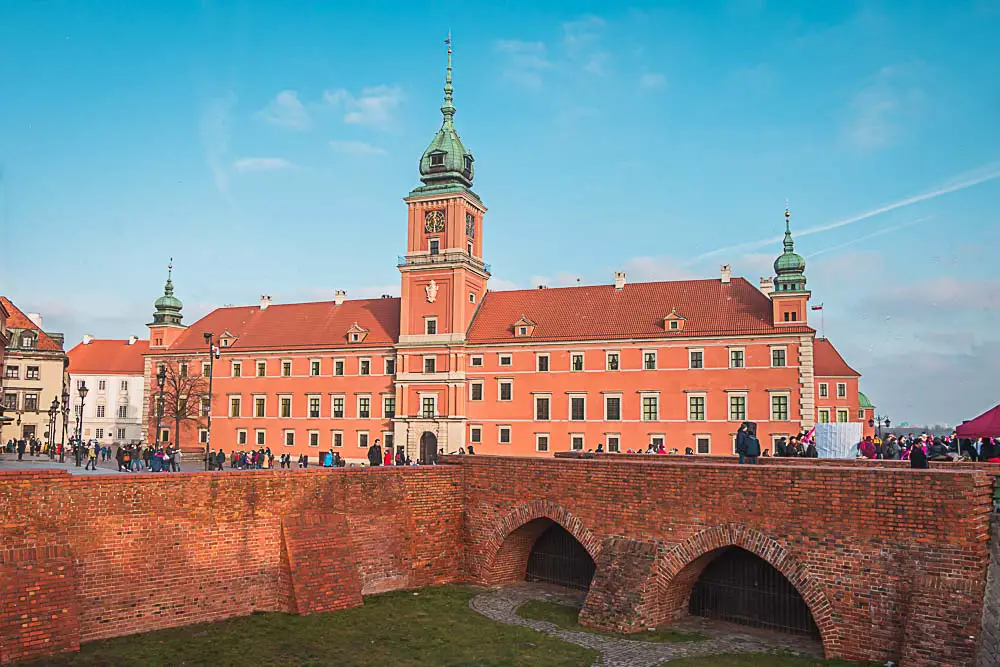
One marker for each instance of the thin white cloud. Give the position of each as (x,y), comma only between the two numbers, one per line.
(525,61)
(215,132)
(970,179)
(652,81)
(582,41)
(288,111)
(356,148)
(881,232)
(878,112)
(374,106)
(249,164)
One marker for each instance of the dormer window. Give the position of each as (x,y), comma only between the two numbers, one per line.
(27,341)
(437,159)
(674,321)
(674,324)
(524,327)
(468,164)
(356,334)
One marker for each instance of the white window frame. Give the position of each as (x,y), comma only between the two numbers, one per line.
(653,437)
(284,437)
(743,356)
(256,368)
(361,361)
(309,398)
(541,396)
(618,442)
(841,394)
(333,438)
(310,435)
(343,366)
(697,394)
(242,432)
(291,368)
(258,441)
(583,361)
(236,369)
(333,406)
(691,353)
(424,359)
(608,355)
(621,405)
(475,361)
(385,365)
(502,356)
(643,395)
(434,246)
(548,362)
(500,383)
(472,295)
(259,397)
(291,406)
(702,436)
(824,390)
(779,348)
(121,434)
(319,367)
(583,442)
(367,437)
(548,442)
(510,434)
(770,400)
(847,415)
(239,405)
(656,359)
(482,391)
(202,436)
(823,412)
(428,320)
(569,409)
(385,411)
(420,402)
(729,405)
(475,430)
(357,405)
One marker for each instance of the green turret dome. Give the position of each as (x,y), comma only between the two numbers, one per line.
(447,165)
(790,267)
(168,307)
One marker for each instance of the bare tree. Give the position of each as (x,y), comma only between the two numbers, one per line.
(183,395)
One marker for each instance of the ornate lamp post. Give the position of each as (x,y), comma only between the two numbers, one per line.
(213,354)
(878,423)
(65,428)
(53,413)
(79,422)
(161,379)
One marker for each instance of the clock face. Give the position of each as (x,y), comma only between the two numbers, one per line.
(470,225)
(433,222)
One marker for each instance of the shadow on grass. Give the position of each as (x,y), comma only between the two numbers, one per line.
(432,626)
(565,616)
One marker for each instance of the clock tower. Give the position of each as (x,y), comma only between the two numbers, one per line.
(443,282)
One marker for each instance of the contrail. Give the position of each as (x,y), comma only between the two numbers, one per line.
(966,180)
(870,236)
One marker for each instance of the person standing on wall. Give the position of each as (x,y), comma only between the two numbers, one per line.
(751,444)
(741,442)
(375,454)
(91,457)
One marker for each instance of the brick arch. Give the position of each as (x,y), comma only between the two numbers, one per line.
(509,543)
(680,567)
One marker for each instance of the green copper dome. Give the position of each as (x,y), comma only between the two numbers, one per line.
(446,165)
(168,307)
(790,267)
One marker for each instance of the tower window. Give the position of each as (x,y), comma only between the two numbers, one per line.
(435,246)
(437,160)
(468,164)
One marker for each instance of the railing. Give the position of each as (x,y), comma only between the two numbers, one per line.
(441,258)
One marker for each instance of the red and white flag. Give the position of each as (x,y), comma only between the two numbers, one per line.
(819,307)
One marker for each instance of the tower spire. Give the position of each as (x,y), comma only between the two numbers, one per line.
(789,244)
(448,110)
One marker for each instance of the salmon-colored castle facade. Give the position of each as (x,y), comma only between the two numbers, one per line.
(450,364)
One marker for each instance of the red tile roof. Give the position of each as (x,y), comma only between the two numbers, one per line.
(18,320)
(597,312)
(827,362)
(297,325)
(112,357)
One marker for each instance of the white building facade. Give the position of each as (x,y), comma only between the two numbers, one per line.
(113,373)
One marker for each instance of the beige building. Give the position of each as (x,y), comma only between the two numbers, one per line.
(34,374)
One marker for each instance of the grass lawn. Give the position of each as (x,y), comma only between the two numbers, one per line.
(565,616)
(399,629)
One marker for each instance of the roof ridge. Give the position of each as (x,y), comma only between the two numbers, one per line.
(304,303)
(638,282)
(14,310)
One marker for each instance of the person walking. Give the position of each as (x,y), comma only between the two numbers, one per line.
(175,460)
(21,446)
(387,457)
(91,457)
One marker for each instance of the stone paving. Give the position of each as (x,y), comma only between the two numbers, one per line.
(501,605)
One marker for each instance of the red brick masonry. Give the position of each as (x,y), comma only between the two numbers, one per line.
(892,562)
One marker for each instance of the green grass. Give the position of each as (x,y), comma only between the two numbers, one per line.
(779,659)
(565,616)
(433,626)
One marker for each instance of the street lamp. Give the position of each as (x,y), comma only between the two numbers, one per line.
(213,354)
(79,428)
(161,379)
(53,413)
(879,422)
(65,428)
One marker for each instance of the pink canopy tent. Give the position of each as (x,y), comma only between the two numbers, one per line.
(986,425)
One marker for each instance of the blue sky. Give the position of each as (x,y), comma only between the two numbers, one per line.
(267,149)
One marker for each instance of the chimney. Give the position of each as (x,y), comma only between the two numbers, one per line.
(132,340)
(727,274)
(36,319)
(265,301)
(766,286)
(339,296)
(87,338)
(619,279)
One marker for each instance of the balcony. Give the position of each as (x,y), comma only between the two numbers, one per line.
(444,257)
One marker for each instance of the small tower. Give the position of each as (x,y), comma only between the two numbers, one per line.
(166,325)
(790,298)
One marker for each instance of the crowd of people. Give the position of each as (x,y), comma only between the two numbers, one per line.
(919,449)
(32,447)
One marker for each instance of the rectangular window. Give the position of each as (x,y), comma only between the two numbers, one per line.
(576,361)
(100,408)
(578,408)
(31,373)
(121,434)
(338,407)
(261,369)
(649,361)
(390,366)
(206,405)
(365,367)
(475,434)
(542,363)
(289,438)
(576,443)
(286,407)
(430,326)
(124,385)
(241,437)
(388,407)
(612,408)
(779,408)
(696,359)
(389,438)
(506,390)
(102,384)
(184,374)
(541,442)
(338,438)
(506,360)
(314,367)
(703,444)
(435,246)
(736,358)
(364,407)
(737,408)
(427,405)
(430,364)
(122,412)
(11,372)
(612,358)
(824,416)
(696,408)
(861,414)
(542,404)
(10,402)
(476,391)
(206,369)
(260,436)
(338,367)
(164,435)
(99,433)
(234,406)
(476,361)
(824,390)
(842,415)
(314,407)
(362,439)
(259,406)
(778,357)
(237,369)
(314,438)
(614,443)
(650,408)
(656,441)
(503,436)
(286,369)
(841,390)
